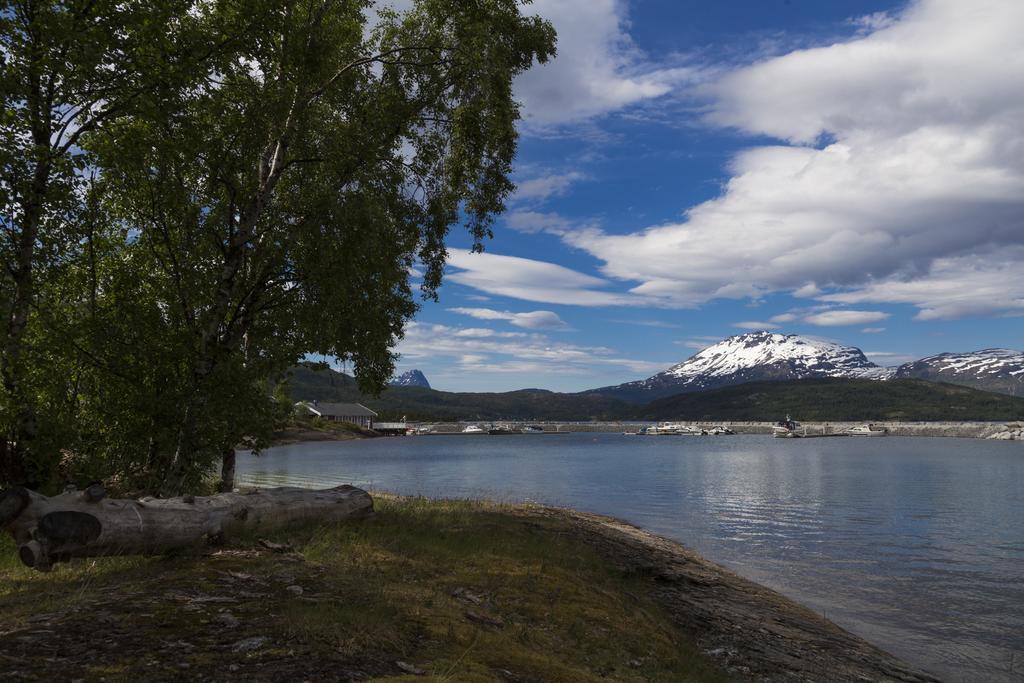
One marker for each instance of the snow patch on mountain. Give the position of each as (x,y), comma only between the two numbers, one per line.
(999,370)
(984,362)
(754,357)
(806,356)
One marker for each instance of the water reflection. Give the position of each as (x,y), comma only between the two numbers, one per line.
(916,544)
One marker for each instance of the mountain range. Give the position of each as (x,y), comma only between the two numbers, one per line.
(767,356)
(746,375)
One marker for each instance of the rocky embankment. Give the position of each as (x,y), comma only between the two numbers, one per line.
(1011,431)
(1008,431)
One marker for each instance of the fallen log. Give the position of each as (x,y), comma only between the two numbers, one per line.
(88,524)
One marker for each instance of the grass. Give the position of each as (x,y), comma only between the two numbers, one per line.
(465,591)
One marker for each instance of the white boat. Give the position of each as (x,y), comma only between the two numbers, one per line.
(867,430)
(788,429)
(533,429)
(674,429)
(715,431)
(474,429)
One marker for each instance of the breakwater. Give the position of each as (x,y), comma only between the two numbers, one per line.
(969,430)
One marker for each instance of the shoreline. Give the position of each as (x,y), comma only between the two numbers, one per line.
(294,435)
(999,430)
(749,629)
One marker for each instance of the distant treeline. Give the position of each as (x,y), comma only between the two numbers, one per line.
(811,400)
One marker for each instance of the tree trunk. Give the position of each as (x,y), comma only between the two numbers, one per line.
(227,471)
(86,524)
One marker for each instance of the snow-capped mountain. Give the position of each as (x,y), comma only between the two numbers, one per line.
(412,378)
(752,357)
(999,370)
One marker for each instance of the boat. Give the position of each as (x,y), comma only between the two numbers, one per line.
(788,429)
(867,430)
(474,429)
(533,429)
(502,430)
(674,429)
(715,431)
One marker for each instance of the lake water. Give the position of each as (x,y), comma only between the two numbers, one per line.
(915,544)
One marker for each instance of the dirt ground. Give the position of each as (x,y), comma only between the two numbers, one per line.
(376,601)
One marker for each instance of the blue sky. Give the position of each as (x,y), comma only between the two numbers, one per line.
(691,170)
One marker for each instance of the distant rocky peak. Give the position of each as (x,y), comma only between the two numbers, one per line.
(412,378)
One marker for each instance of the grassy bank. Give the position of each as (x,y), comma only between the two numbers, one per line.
(451,590)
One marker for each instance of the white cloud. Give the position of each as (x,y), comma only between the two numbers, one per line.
(532,280)
(533,320)
(845,317)
(497,354)
(917,197)
(536,221)
(873,330)
(975,285)
(754,325)
(486,332)
(544,187)
(598,68)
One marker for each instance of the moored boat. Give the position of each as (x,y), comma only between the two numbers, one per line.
(717,430)
(675,429)
(502,430)
(533,429)
(867,430)
(788,429)
(474,429)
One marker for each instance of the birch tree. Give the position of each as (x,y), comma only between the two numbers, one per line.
(278,207)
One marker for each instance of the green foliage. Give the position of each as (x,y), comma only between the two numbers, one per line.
(257,189)
(68,69)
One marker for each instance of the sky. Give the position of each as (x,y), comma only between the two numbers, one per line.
(690,170)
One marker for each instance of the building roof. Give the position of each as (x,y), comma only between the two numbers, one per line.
(339,409)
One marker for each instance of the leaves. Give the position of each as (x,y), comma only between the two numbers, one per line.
(256,189)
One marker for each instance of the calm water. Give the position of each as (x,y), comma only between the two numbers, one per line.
(915,544)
